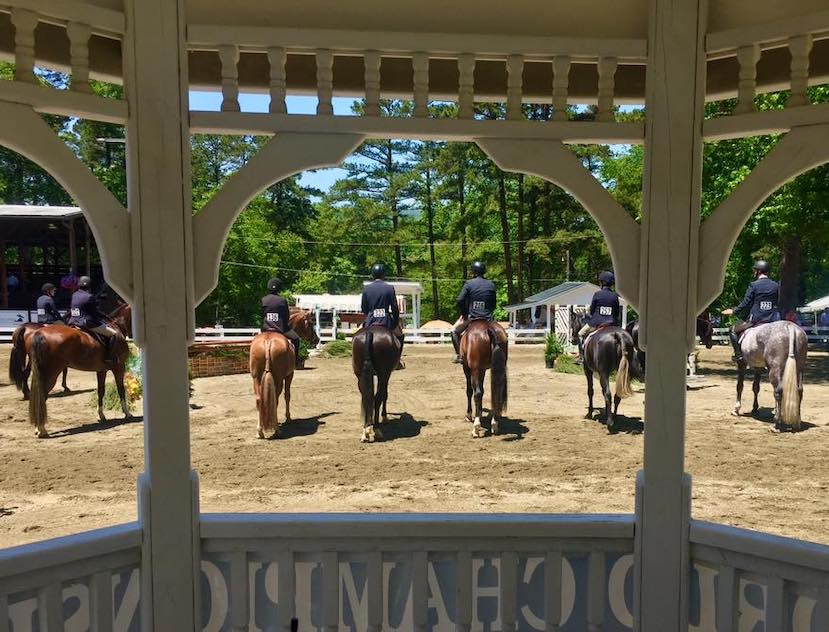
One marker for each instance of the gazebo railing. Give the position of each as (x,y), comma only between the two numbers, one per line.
(84,581)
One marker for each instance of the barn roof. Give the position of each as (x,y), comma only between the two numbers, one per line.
(35,212)
(567,293)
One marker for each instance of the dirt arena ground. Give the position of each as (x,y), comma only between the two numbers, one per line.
(549,459)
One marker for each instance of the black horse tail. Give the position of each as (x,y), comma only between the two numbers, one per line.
(367,377)
(17,361)
(37,397)
(498,379)
(624,351)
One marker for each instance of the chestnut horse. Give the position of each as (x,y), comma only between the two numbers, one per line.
(57,347)
(272,364)
(374,351)
(19,365)
(484,346)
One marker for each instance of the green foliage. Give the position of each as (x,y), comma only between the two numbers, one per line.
(336,349)
(567,364)
(304,350)
(552,346)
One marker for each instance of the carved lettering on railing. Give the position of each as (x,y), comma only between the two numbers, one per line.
(24,22)
(276,59)
(229,58)
(799,47)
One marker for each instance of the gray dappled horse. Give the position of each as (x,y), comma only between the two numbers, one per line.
(781,348)
(606,350)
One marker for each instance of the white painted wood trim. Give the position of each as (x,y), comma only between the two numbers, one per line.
(800,150)
(572,132)
(765,122)
(64,102)
(26,133)
(276,60)
(485,45)
(24,22)
(768,33)
(79,34)
(372,61)
(103,21)
(283,156)
(554,162)
(229,60)
(561,81)
(799,47)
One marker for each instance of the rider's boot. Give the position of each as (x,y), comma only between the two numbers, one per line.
(580,358)
(735,342)
(400,364)
(297,360)
(456,343)
(111,351)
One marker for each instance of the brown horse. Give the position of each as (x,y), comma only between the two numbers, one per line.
(19,365)
(57,347)
(374,351)
(484,346)
(272,364)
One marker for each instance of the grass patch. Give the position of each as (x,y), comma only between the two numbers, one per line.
(336,349)
(567,364)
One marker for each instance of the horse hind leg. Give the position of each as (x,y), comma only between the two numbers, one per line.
(122,394)
(288,379)
(469,393)
(66,389)
(102,380)
(741,375)
(609,418)
(777,384)
(589,375)
(478,386)
(755,387)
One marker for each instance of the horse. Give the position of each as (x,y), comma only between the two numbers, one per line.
(484,345)
(272,363)
(780,347)
(606,350)
(57,347)
(374,351)
(705,333)
(19,365)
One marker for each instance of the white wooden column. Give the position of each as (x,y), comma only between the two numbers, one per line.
(159,202)
(672,181)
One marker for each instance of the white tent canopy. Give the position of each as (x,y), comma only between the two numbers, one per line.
(817,305)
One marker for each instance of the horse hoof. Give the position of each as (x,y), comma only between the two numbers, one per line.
(478,430)
(469,418)
(42,434)
(735,412)
(494,427)
(287,419)
(25,398)
(275,435)
(260,434)
(385,419)
(66,389)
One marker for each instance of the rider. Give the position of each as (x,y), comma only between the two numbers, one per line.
(47,313)
(759,303)
(84,314)
(476,301)
(379,305)
(605,309)
(276,315)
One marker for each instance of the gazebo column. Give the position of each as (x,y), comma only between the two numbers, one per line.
(159,201)
(672,181)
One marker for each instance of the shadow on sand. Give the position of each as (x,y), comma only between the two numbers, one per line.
(765,414)
(624,424)
(303,427)
(404,426)
(96,426)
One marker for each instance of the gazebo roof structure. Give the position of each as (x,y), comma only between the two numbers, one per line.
(670,55)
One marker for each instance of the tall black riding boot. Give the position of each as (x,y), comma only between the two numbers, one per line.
(456,342)
(580,359)
(111,348)
(735,342)
(295,342)
(400,338)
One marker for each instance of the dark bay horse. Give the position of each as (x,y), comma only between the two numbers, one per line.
(57,347)
(272,365)
(781,348)
(19,365)
(705,333)
(484,345)
(375,351)
(606,350)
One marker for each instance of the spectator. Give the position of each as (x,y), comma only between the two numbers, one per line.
(823,319)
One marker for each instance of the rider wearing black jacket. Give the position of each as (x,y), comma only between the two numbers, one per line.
(760,304)
(84,314)
(47,313)
(477,301)
(379,306)
(605,309)
(276,315)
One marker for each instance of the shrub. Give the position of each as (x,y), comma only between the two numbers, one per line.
(552,346)
(336,349)
(304,350)
(340,335)
(567,364)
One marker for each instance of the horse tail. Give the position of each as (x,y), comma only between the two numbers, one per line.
(790,404)
(17,361)
(498,379)
(37,396)
(623,389)
(367,377)
(267,388)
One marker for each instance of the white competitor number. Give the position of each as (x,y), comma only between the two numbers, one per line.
(765,305)
(75,311)
(41,311)
(272,317)
(379,313)
(605,311)
(478,305)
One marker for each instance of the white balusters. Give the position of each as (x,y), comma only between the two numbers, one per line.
(463,587)
(821,614)
(747,56)
(286,589)
(515,82)
(596,587)
(607,82)
(100,602)
(799,47)
(239,592)
(726,599)
(420,590)
(466,86)
(276,60)
(372,61)
(420,66)
(50,608)
(229,58)
(561,81)
(374,591)
(552,591)
(24,22)
(509,590)
(325,81)
(79,35)
(775,604)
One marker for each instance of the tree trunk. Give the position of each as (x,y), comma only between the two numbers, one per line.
(502,208)
(520,236)
(531,233)
(546,226)
(430,215)
(790,274)
(462,205)
(395,215)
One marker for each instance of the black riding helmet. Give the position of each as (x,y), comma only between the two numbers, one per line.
(85,283)
(274,285)
(47,287)
(378,271)
(762,267)
(607,278)
(479,268)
